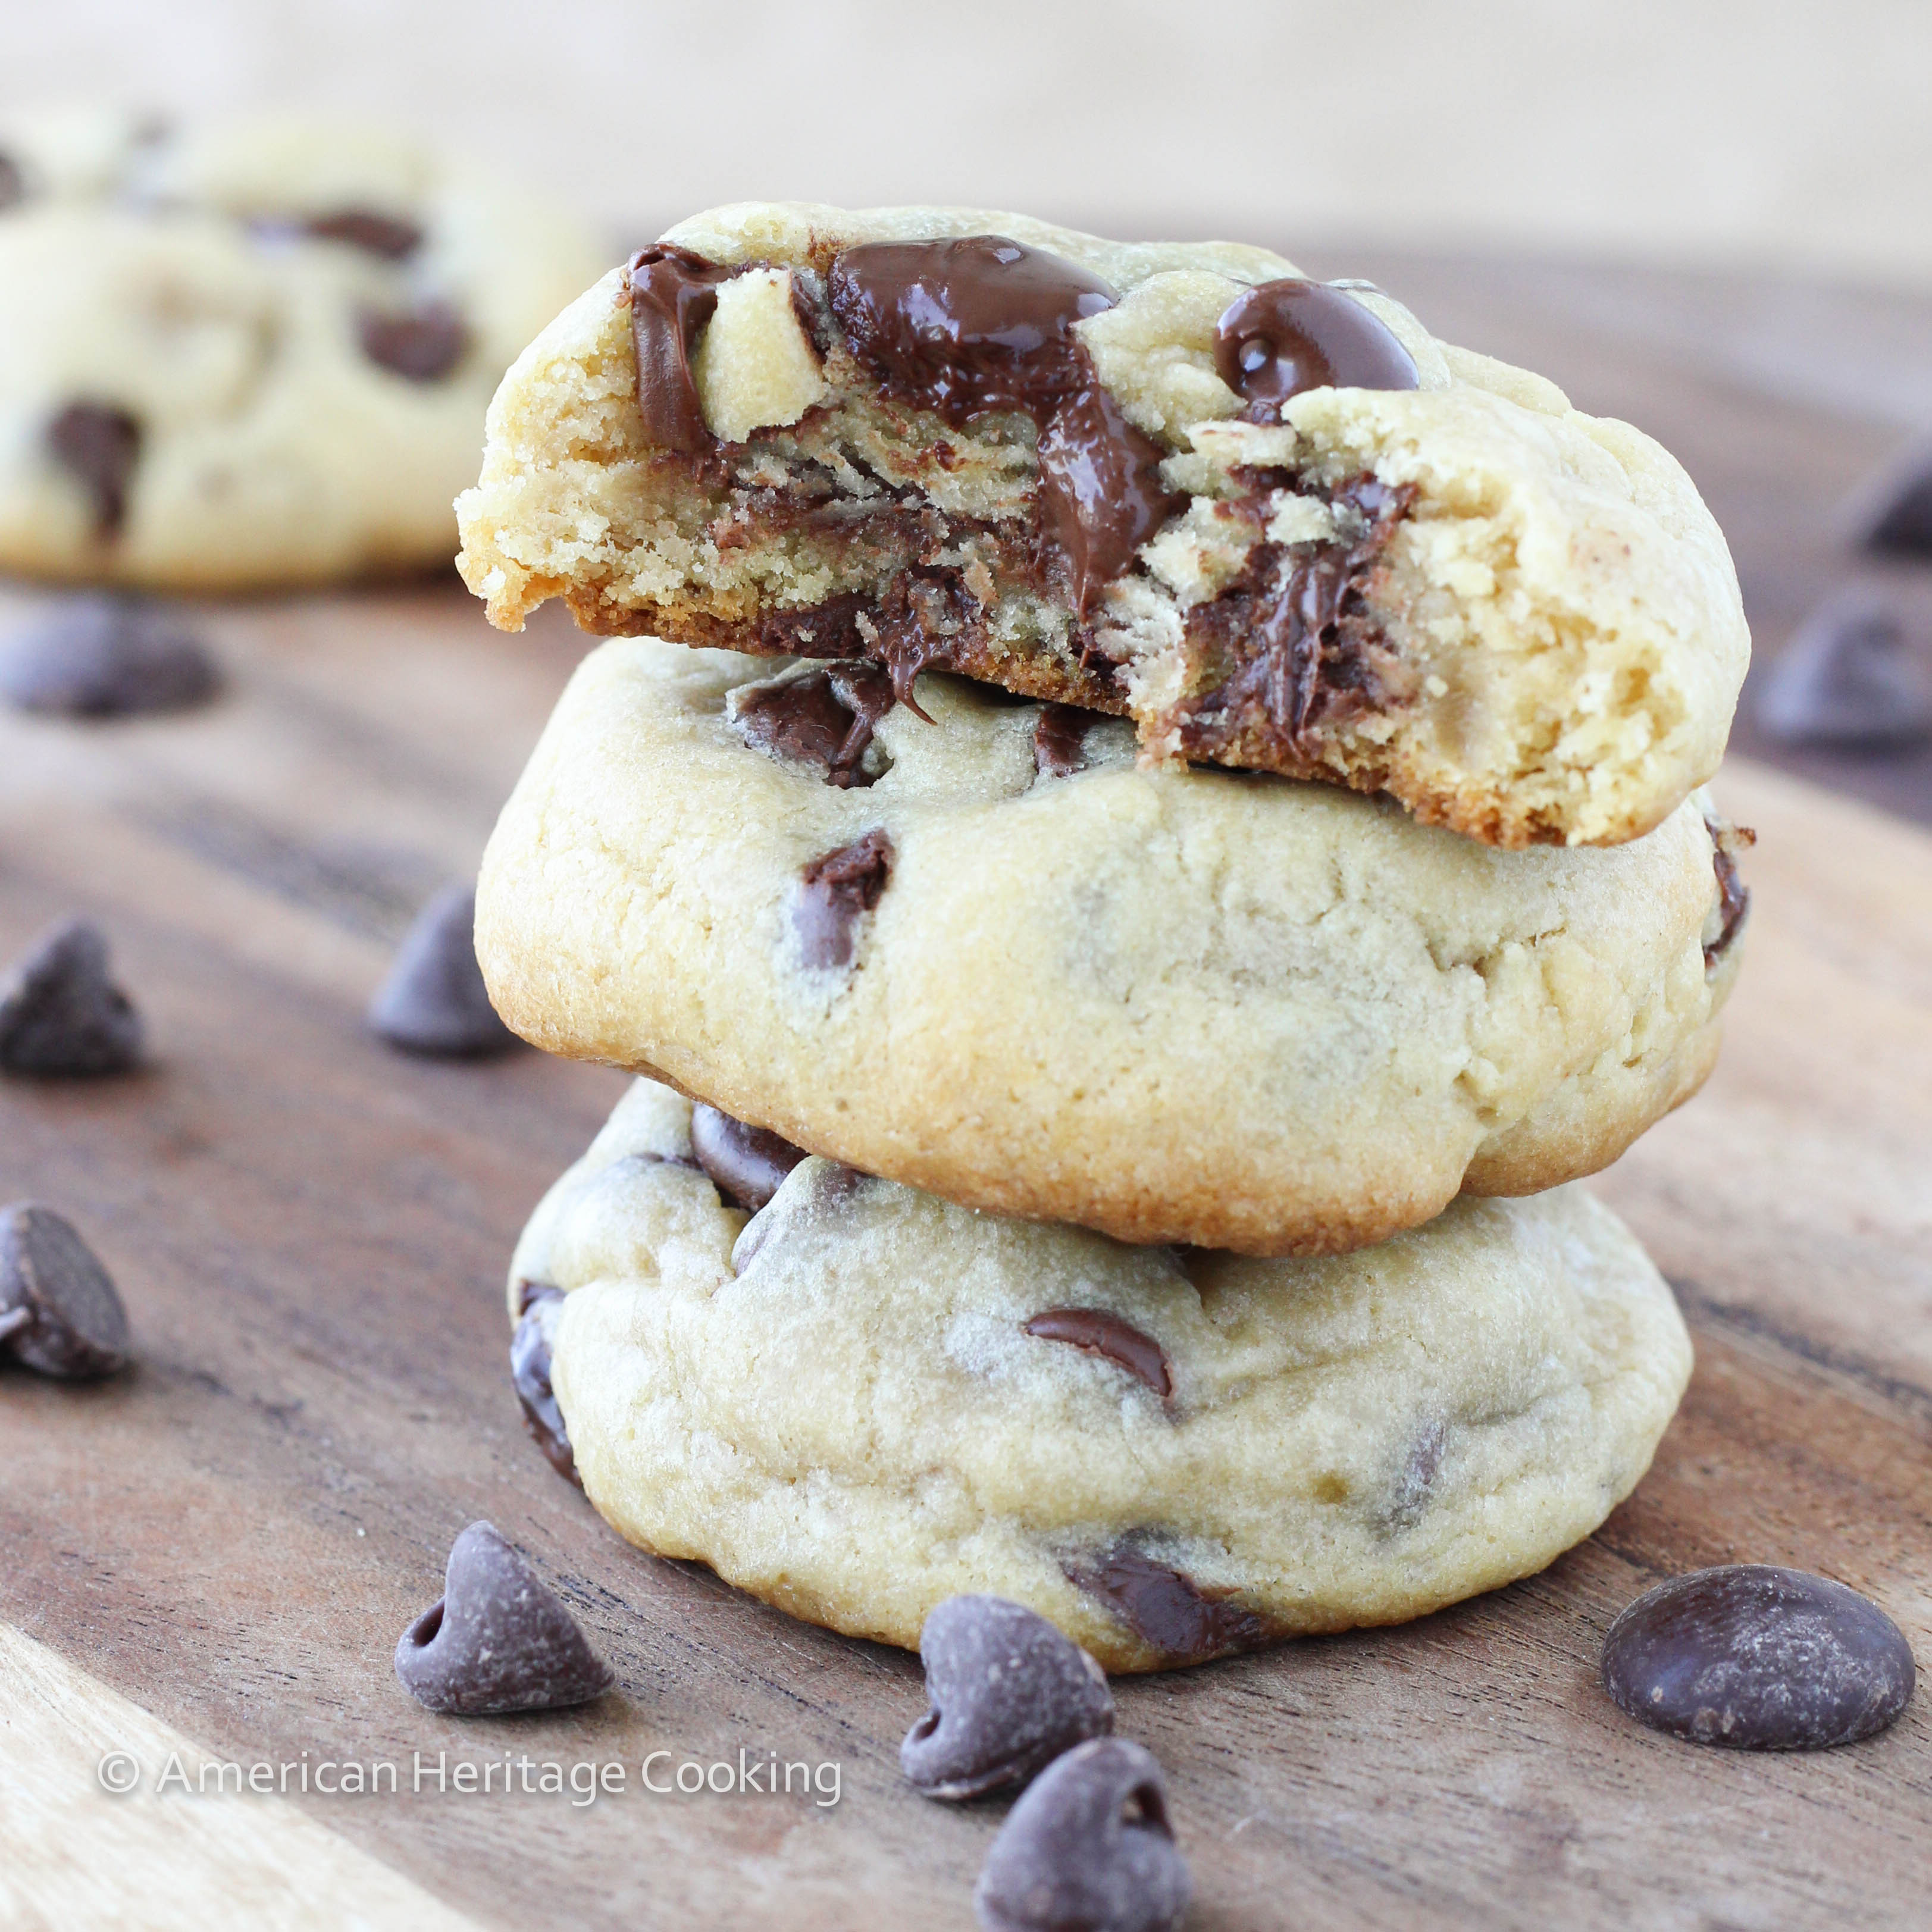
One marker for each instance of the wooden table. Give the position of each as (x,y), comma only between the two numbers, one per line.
(213,1556)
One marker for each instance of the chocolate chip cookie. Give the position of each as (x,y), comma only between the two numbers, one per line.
(1274,521)
(863,1400)
(251,353)
(977,947)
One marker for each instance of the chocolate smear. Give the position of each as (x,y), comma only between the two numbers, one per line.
(1059,740)
(1286,337)
(421,345)
(1097,1331)
(61,1016)
(824,718)
(836,890)
(1088,1848)
(1847,679)
(747,1165)
(98,444)
(498,1639)
(1101,496)
(1733,895)
(60,1313)
(1759,1658)
(434,1001)
(673,294)
(1009,1693)
(1902,525)
(1164,1606)
(392,237)
(538,1305)
(107,657)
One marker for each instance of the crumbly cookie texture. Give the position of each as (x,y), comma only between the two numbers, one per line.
(251,354)
(1519,620)
(865,1400)
(1175,1005)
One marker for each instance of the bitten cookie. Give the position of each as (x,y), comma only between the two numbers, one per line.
(863,1400)
(251,354)
(992,955)
(1274,521)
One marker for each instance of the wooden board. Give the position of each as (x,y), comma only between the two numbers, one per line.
(215,1556)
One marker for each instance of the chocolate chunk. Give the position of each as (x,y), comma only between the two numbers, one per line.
(1286,337)
(746,1165)
(673,294)
(537,1306)
(1088,1848)
(391,236)
(59,1312)
(1095,1331)
(1418,1475)
(434,1001)
(836,889)
(1101,496)
(1847,679)
(422,346)
(61,1017)
(1059,741)
(969,326)
(1758,1658)
(1733,895)
(99,444)
(1163,1606)
(498,1639)
(1009,1693)
(1902,524)
(12,183)
(107,657)
(823,717)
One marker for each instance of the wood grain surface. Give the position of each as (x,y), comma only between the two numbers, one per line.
(310,1233)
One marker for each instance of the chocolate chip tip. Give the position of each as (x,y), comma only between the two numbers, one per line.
(60,1313)
(434,1003)
(62,1017)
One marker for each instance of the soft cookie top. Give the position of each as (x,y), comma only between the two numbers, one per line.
(1273,520)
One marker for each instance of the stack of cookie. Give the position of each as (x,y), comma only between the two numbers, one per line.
(1143,828)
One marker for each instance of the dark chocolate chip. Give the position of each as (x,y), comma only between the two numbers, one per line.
(12,183)
(392,237)
(1088,1848)
(98,444)
(1759,1658)
(1101,496)
(837,889)
(537,1306)
(61,1017)
(1164,1606)
(674,293)
(422,345)
(1418,1475)
(59,1312)
(824,718)
(107,657)
(747,1165)
(1902,524)
(1009,1693)
(1286,337)
(1733,895)
(498,1640)
(1059,740)
(1099,1332)
(1847,679)
(434,1001)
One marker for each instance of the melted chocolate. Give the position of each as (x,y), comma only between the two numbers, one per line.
(825,718)
(747,1165)
(422,346)
(1101,496)
(1059,740)
(836,889)
(100,444)
(389,236)
(673,294)
(1095,1331)
(1286,337)
(529,1375)
(1733,895)
(1165,1607)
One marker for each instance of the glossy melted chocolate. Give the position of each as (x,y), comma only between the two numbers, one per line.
(1285,336)
(672,295)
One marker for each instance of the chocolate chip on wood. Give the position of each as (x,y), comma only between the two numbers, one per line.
(1009,1693)
(1087,1846)
(1848,678)
(1759,1658)
(61,1016)
(498,1640)
(107,657)
(60,1313)
(434,1002)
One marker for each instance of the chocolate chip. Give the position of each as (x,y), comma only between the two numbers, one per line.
(1758,1658)
(107,657)
(538,1305)
(1059,741)
(747,1165)
(99,445)
(12,183)
(673,293)
(1902,524)
(434,1001)
(61,1017)
(1098,1332)
(1009,1693)
(1163,1606)
(498,1639)
(837,889)
(391,236)
(1288,336)
(1733,895)
(59,1312)
(1418,1475)
(1847,679)
(823,717)
(1101,496)
(1088,1848)
(422,346)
